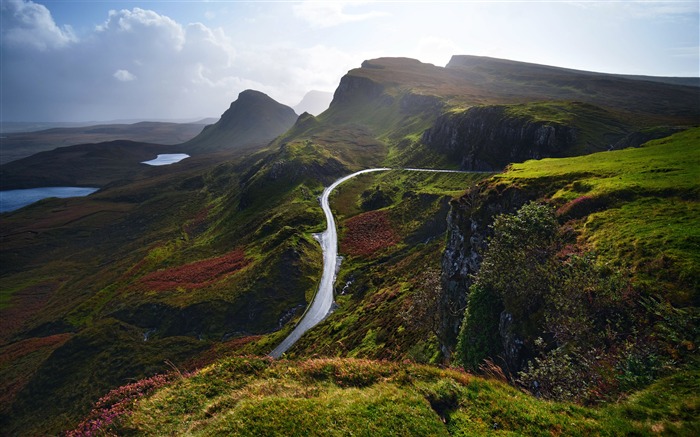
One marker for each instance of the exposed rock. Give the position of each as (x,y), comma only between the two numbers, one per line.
(514,351)
(352,88)
(467,233)
(487,138)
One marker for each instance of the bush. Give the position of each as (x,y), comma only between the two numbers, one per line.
(576,330)
(479,338)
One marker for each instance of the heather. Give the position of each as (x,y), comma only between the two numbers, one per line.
(333,396)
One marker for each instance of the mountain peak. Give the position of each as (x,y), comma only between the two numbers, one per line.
(253,95)
(314,102)
(253,119)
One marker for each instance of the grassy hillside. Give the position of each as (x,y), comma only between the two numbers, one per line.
(181,266)
(391,233)
(636,207)
(113,280)
(599,293)
(255,396)
(381,280)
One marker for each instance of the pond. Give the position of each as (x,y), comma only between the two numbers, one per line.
(11,200)
(167,159)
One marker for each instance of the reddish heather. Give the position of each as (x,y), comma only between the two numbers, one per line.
(24,304)
(197,274)
(115,404)
(367,233)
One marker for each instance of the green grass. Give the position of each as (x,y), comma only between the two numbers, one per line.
(636,207)
(375,293)
(331,396)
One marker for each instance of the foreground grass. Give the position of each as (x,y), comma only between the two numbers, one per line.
(258,396)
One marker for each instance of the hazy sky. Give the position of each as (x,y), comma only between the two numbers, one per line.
(85,60)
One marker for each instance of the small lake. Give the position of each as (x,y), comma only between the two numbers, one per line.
(11,200)
(167,159)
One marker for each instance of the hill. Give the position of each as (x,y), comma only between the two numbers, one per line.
(216,256)
(314,102)
(332,396)
(22,144)
(252,120)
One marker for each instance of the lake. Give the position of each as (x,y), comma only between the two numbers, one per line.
(167,159)
(11,200)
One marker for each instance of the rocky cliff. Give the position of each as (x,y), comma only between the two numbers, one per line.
(467,234)
(488,138)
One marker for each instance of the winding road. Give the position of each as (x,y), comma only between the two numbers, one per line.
(323,301)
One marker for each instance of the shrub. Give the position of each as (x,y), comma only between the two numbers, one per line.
(479,338)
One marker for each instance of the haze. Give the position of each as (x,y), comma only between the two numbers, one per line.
(108,60)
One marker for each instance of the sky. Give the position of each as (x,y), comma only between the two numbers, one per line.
(103,60)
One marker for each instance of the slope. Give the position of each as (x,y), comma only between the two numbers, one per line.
(252,120)
(254,396)
(22,144)
(422,114)
(198,261)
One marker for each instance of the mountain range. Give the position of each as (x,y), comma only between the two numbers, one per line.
(197,270)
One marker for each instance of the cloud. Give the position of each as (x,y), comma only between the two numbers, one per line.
(124,76)
(329,14)
(28,24)
(182,70)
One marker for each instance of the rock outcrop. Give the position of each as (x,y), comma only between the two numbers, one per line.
(467,234)
(487,138)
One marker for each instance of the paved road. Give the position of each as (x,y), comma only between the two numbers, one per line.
(321,305)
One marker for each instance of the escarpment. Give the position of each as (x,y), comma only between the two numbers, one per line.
(468,230)
(488,138)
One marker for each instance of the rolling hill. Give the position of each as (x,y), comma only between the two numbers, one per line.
(174,269)
(19,145)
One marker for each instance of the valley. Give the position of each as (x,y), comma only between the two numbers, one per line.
(151,306)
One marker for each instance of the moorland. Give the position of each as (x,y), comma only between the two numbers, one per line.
(552,291)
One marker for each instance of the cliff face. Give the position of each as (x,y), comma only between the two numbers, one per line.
(486,138)
(354,88)
(467,234)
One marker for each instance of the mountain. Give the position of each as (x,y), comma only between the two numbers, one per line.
(20,145)
(87,165)
(314,102)
(178,270)
(254,119)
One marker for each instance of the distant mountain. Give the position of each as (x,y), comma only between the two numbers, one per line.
(19,145)
(314,102)
(253,119)
(81,165)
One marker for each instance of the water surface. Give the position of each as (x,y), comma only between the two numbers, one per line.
(167,159)
(11,200)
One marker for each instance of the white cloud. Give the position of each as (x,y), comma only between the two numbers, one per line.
(25,23)
(329,14)
(175,70)
(124,76)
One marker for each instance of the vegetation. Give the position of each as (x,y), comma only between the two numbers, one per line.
(331,396)
(389,279)
(194,265)
(579,326)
